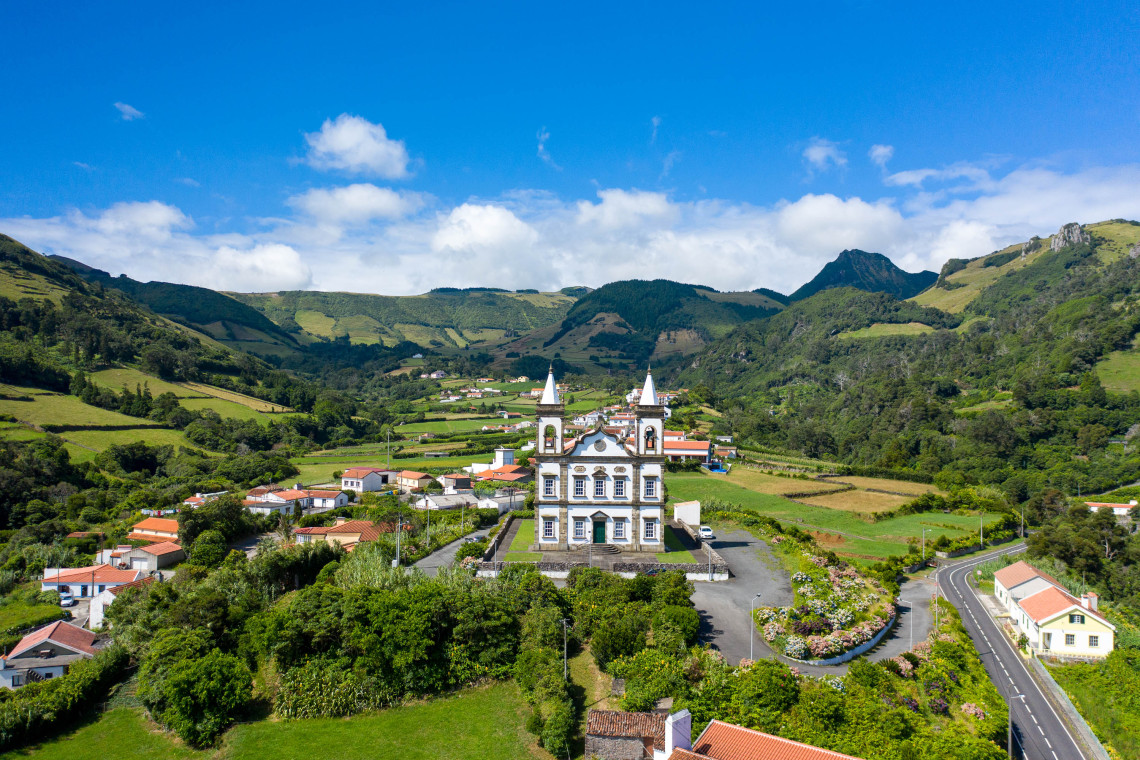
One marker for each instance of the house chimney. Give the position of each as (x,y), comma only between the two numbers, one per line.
(298,486)
(1089,601)
(678,732)
(341,520)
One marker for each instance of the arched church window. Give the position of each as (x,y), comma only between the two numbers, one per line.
(650,439)
(549,438)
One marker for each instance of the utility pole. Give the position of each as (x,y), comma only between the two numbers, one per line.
(565,665)
(389,434)
(752,626)
(981,532)
(924,544)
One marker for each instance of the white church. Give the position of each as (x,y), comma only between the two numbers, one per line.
(596,489)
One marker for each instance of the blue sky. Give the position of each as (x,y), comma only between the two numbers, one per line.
(393,148)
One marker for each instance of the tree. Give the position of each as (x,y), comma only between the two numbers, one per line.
(209,549)
(763,693)
(204,694)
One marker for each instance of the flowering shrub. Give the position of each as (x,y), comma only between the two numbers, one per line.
(836,683)
(772,630)
(800,577)
(906,670)
(911,704)
(939,706)
(973,710)
(795,647)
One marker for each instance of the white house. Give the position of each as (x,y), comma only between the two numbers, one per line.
(327,499)
(1118,510)
(83,582)
(446,501)
(1054,621)
(595,488)
(148,558)
(361,479)
(100,602)
(199,499)
(46,653)
(269,507)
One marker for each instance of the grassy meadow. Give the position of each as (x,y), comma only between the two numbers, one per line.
(883,329)
(475,724)
(845,531)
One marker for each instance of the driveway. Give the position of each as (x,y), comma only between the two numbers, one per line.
(249,543)
(726,622)
(445,555)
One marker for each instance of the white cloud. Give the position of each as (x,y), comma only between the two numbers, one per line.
(129,112)
(667,163)
(656,122)
(916,177)
(356,204)
(364,238)
(188,181)
(83,166)
(881,154)
(543,135)
(822,155)
(356,145)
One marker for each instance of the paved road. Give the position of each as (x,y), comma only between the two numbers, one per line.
(1038,731)
(248,544)
(445,555)
(724,607)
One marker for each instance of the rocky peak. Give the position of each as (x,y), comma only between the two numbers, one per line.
(1134,251)
(1069,234)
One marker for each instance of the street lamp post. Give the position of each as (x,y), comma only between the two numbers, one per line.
(752,625)
(924,544)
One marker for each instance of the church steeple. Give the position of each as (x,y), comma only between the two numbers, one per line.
(649,392)
(550,393)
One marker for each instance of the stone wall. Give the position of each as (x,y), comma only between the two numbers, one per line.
(616,748)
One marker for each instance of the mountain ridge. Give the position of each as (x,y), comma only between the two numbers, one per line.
(872,272)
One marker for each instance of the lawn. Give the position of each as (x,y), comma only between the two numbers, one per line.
(677,554)
(450,426)
(1120,371)
(117,379)
(258,405)
(855,535)
(883,329)
(476,724)
(19,614)
(524,537)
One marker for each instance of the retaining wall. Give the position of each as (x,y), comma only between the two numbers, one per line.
(851,654)
(1072,715)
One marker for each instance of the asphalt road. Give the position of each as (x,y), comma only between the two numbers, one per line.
(445,555)
(1038,732)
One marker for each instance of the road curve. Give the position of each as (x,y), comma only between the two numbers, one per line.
(1038,732)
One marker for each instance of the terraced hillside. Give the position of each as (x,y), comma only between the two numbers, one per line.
(445,318)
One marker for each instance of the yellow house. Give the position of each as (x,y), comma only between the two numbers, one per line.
(1058,623)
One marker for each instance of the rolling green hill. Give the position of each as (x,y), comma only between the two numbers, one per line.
(872,272)
(445,318)
(629,322)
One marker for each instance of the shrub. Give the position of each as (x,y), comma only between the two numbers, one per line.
(321,690)
(209,549)
(620,637)
(203,696)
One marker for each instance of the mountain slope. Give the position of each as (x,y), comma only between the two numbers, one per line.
(208,311)
(872,272)
(630,321)
(445,318)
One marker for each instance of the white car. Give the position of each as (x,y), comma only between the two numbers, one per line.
(66,600)
(706,533)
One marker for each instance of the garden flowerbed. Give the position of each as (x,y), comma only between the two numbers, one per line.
(836,608)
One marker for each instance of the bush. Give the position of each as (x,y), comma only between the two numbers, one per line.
(619,637)
(204,695)
(686,620)
(320,690)
(209,549)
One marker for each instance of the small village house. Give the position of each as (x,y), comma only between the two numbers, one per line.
(148,558)
(46,653)
(347,533)
(1054,621)
(446,501)
(100,602)
(362,479)
(84,582)
(455,482)
(155,530)
(410,480)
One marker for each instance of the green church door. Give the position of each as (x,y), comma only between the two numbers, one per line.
(599,532)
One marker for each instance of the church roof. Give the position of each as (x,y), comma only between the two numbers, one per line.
(550,393)
(649,392)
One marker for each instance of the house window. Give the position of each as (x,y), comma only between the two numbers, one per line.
(619,488)
(579,487)
(548,528)
(651,530)
(548,486)
(1077,619)
(1094,642)
(619,528)
(651,488)
(579,527)
(599,488)
(17,680)
(1070,640)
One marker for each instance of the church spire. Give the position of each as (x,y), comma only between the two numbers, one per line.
(649,392)
(550,393)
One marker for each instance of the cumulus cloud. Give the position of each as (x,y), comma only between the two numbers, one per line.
(881,154)
(356,204)
(356,145)
(129,112)
(543,135)
(365,238)
(821,155)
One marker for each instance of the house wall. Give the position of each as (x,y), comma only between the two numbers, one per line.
(618,748)
(1060,626)
(7,675)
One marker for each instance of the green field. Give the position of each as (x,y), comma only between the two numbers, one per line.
(883,329)
(18,614)
(476,724)
(1120,371)
(320,469)
(848,534)
(450,426)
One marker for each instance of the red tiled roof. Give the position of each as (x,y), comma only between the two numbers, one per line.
(166,547)
(627,724)
(71,636)
(158,524)
(193,500)
(1048,603)
(322,494)
(508,477)
(97,574)
(413,475)
(687,445)
(318,530)
(133,584)
(360,472)
(268,488)
(724,741)
(1020,572)
(84,534)
(132,536)
(291,494)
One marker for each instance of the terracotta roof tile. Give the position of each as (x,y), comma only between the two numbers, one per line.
(97,574)
(133,584)
(687,445)
(360,472)
(1020,572)
(322,494)
(724,741)
(413,475)
(627,724)
(1048,603)
(160,524)
(166,547)
(68,635)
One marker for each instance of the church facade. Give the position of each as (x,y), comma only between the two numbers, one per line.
(596,488)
